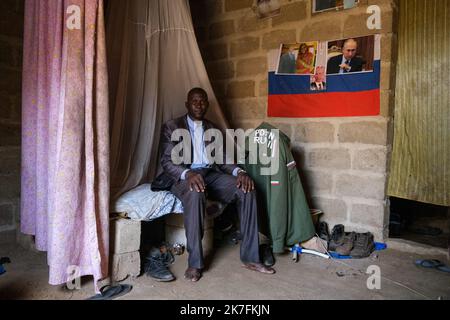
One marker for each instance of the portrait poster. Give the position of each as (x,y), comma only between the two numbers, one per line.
(297,58)
(327,5)
(344,80)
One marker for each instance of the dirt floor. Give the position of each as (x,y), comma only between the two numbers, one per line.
(310,278)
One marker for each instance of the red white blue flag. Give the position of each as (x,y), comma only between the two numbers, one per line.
(342,95)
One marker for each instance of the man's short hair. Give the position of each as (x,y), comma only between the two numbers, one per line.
(349,40)
(197,90)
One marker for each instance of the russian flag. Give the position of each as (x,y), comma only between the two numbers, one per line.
(352,94)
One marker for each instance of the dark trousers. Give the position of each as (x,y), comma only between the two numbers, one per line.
(219,187)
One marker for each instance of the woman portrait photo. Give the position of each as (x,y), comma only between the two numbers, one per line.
(306,58)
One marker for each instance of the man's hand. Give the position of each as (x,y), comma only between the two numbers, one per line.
(345,67)
(244,182)
(195,181)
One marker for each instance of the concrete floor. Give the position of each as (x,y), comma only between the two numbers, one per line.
(311,278)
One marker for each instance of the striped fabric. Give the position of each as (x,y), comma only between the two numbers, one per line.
(420,166)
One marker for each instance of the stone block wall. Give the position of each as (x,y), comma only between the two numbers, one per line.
(342,161)
(11,38)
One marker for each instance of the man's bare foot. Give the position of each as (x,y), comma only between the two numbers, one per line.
(193,274)
(259,267)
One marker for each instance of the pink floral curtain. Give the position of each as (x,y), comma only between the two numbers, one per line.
(65,136)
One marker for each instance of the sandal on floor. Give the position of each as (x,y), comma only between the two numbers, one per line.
(433,264)
(428,263)
(112,292)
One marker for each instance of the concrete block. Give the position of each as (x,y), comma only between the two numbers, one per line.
(272,40)
(221,29)
(241,89)
(6,215)
(249,109)
(373,160)
(220,70)
(251,67)
(348,185)
(125,236)
(220,89)
(334,210)
(124,265)
(10,161)
(314,132)
(323,30)
(11,80)
(318,182)
(232,5)
(387,77)
(264,88)
(356,22)
(387,103)
(329,158)
(367,132)
(10,187)
(10,134)
(250,23)
(216,51)
(286,128)
(293,12)
(368,215)
(244,45)
(26,241)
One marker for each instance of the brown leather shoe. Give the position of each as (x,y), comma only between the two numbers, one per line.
(259,267)
(193,274)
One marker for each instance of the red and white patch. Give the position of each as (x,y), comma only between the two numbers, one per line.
(275,183)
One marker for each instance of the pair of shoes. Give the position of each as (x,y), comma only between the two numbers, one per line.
(157,264)
(193,274)
(323,232)
(347,244)
(363,246)
(337,237)
(112,292)
(433,264)
(266,254)
(259,267)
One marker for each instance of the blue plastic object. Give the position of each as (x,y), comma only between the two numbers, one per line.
(336,255)
(380,246)
(2,269)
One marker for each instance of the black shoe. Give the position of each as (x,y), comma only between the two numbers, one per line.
(324,234)
(265,252)
(347,244)
(156,266)
(337,237)
(363,246)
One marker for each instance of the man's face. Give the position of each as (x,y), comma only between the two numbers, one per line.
(197,106)
(349,50)
(320,74)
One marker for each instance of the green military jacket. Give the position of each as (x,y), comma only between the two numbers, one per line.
(285,206)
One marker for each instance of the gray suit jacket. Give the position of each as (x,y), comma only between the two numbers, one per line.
(172,172)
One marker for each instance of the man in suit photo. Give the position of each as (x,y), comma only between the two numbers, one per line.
(347,61)
(195,180)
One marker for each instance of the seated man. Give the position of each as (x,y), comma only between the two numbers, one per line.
(190,182)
